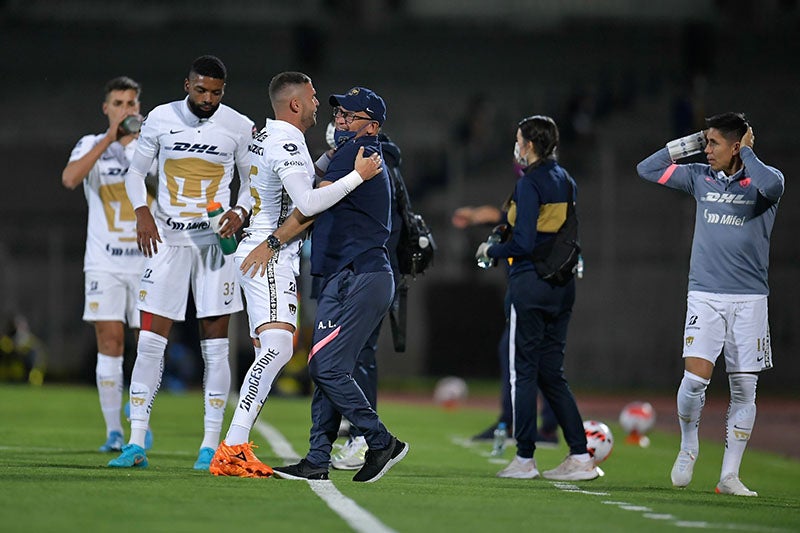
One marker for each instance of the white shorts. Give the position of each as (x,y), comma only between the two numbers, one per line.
(164,286)
(111,297)
(273,297)
(739,329)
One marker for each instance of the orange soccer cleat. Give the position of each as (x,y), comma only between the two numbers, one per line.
(238,461)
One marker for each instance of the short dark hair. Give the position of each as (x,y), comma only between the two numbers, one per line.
(122,83)
(284,79)
(543,133)
(209,66)
(731,125)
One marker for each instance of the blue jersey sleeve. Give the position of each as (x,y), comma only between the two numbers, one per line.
(523,239)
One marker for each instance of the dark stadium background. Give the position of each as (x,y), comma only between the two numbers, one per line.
(620,77)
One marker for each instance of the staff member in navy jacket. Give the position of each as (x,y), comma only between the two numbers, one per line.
(540,310)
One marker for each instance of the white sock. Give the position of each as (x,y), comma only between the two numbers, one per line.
(524,460)
(216,387)
(691,399)
(239,430)
(145,380)
(275,352)
(740,421)
(108,374)
(582,457)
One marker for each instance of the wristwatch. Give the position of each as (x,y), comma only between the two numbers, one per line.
(274,243)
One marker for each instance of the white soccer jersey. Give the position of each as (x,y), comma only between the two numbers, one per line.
(279,154)
(196,159)
(111,225)
(282,179)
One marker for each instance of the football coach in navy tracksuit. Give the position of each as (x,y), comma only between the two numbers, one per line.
(349,253)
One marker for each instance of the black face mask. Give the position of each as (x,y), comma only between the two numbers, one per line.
(200,113)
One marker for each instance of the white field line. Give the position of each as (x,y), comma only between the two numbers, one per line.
(647,512)
(356,517)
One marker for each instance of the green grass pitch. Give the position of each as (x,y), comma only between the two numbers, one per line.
(53,479)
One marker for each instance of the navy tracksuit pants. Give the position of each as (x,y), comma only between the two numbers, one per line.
(349,308)
(538,321)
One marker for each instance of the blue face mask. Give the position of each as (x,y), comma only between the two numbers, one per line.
(340,137)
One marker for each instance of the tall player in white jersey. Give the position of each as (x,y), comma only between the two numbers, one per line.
(112,263)
(281,179)
(198,142)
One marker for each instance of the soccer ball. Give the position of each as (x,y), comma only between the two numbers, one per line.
(637,418)
(450,392)
(599,440)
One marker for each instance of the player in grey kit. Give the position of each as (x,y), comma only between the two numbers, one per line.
(737,198)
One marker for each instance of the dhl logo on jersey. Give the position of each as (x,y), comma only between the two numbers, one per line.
(196,148)
(727,198)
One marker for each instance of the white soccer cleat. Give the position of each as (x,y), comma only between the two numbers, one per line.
(518,470)
(683,468)
(573,469)
(352,456)
(732,485)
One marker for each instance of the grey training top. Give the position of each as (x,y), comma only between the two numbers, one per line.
(733,222)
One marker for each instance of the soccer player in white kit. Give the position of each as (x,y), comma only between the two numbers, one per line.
(197,141)
(281,179)
(112,263)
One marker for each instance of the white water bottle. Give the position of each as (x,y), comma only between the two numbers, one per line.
(500,436)
(486,261)
(215,212)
